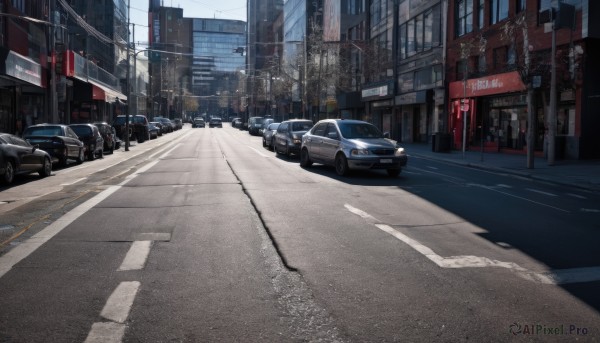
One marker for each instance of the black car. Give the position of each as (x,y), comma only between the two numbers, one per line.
(108,135)
(215,122)
(59,140)
(288,137)
(138,127)
(17,156)
(198,122)
(91,138)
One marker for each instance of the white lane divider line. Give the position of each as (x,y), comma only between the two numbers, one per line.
(18,253)
(554,277)
(73,182)
(136,256)
(106,333)
(593,210)
(576,196)
(258,152)
(515,196)
(541,192)
(116,310)
(120,302)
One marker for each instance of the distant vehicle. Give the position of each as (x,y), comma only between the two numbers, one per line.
(169,126)
(108,135)
(59,140)
(268,135)
(288,137)
(254,125)
(233,121)
(17,156)
(215,122)
(178,123)
(159,126)
(265,123)
(198,122)
(91,138)
(351,144)
(238,122)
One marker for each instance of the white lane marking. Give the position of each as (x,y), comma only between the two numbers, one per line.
(503,185)
(576,196)
(119,303)
(258,152)
(541,192)
(106,333)
(136,256)
(166,153)
(590,210)
(73,182)
(18,253)
(138,172)
(555,277)
(434,168)
(515,196)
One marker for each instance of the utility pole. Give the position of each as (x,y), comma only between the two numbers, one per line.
(127,90)
(53,116)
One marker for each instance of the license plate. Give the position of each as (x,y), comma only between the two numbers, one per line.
(387,160)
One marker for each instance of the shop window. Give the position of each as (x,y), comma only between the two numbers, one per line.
(565,121)
(464,17)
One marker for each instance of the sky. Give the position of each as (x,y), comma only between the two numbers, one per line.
(220,9)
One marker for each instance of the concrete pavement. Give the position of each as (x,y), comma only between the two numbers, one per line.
(583,174)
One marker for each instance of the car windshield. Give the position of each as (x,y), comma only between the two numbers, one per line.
(43,131)
(302,126)
(359,130)
(138,120)
(273,126)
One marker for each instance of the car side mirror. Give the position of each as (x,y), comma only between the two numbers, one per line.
(386,135)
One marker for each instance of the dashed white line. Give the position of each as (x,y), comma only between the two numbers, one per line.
(120,301)
(555,277)
(258,152)
(576,196)
(541,192)
(593,210)
(515,196)
(106,333)
(136,256)
(73,182)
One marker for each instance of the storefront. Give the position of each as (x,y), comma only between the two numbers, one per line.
(379,104)
(22,94)
(495,108)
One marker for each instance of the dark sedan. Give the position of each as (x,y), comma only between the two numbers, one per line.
(215,122)
(288,137)
(60,141)
(268,135)
(17,156)
(108,135)
(91,138)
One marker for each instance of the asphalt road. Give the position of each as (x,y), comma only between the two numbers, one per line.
(204,235)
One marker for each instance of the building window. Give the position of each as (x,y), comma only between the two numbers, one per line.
(464,17)
(521,5)
(498,11)
(544,4)
(500,58)
(419,33)
(481,17)
(402,43)
(481,64)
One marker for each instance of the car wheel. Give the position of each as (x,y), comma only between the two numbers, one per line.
(9,173)
(305,161)
(112,149)
(92,155)
(393,172)
(264,142)
(80,158)
(341,165)
(101,154)
(272,147)
(47,168)
(140,138)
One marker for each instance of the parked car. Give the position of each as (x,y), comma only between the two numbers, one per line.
(233,120)
(351,144)
(167,123)
(198,122)
(109,135)
(238,122)
(215,122)
(268,135)
(288,136)
(153,130)
(178,123)
(254,125)
(265,123)
(59,140)
(91,138)
(138,127)
(158,125)
(17,156)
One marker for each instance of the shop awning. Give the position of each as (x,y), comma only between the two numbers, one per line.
(103,93)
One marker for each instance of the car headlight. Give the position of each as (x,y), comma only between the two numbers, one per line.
(297,141)
(360,152)
(400,152)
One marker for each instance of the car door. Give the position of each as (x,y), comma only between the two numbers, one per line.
(281,136)
(25,152)
(331,143)
(73,143)
(314,141)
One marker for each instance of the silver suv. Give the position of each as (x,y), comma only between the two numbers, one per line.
(351,144)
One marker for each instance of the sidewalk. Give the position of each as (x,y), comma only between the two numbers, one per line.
(584,174)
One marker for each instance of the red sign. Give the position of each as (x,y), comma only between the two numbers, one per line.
(489,85)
